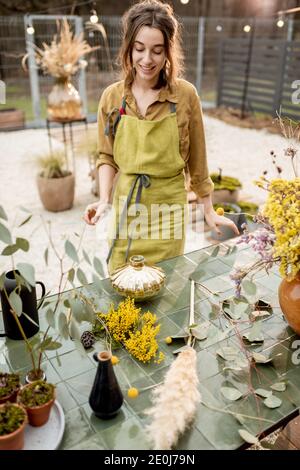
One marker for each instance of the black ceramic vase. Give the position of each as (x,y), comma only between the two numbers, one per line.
(29,306)
(106,397)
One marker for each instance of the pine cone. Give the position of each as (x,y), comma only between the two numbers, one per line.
(87,339)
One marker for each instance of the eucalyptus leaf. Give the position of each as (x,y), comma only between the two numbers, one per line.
(9,250)
(240,418)
(22,244)
(74,330)
(231,393)
(25,220)
(50,317)
(179,350)
(201,331)
(98,267)
(27,271)
(261,392)
(247,437)
(228,353)
(254,335)
(71,275)
(53,346)
(86,257)
(279,386)
(260,358)
(63,325)
(71,251)
(3,214)
(15,302)
(46,255)
(249,287)
(81,277)
(5,235)
(272,402)
(215,252)
(89,314)
(97,283)
(45,343)
(77,309)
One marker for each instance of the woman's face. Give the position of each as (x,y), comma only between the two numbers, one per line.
(148,54)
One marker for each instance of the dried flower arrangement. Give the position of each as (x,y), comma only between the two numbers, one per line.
(135,330)
(63,57)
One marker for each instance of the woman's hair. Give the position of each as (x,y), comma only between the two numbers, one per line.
(154,14)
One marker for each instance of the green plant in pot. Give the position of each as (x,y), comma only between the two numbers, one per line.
(9,386)
(37,398)
(226,188)
(13,419)
(56,183)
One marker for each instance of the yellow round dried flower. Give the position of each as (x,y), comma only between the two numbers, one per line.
(114,360)
(133,392)
(168,340)
(220,211)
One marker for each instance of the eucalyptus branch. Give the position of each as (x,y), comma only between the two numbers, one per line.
(222,410)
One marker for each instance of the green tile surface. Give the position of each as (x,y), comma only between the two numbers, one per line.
(218,419)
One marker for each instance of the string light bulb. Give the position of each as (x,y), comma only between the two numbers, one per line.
(184,2)
(280,23)
(30,29)
(94,17)
(219,28)
(247,28)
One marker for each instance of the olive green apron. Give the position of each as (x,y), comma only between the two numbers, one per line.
(150,175)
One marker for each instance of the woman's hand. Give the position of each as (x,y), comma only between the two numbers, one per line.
(214,220)
(94,212)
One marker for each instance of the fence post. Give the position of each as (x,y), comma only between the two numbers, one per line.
(82,77)
(33,75)
(290,29)
(280,78)
(200,51)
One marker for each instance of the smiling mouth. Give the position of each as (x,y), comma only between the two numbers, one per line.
(147,69)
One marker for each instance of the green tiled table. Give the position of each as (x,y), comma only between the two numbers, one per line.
(215,425)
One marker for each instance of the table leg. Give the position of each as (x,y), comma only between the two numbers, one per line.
(65,145)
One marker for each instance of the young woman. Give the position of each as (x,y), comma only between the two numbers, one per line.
(151,134)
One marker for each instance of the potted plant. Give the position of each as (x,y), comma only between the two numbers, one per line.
(56,184)
(13,419)
(12,119)
(9,387)
(226,188)
(37,398)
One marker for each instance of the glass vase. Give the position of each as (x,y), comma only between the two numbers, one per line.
(64,102)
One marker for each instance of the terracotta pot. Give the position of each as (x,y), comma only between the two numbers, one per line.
(57,194)
(289,300)
(12,396)
(12,119)
(14,440)
(37,415)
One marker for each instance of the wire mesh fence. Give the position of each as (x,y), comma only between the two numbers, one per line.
(201,37)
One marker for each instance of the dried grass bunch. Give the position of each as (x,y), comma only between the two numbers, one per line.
(63,57)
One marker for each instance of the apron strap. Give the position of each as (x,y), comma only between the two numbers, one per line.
(144,181)
(172,107)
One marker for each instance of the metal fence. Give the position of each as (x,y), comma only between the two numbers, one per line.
(201,38)
(259,75)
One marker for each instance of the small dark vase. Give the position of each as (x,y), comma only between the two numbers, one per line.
(106,397)
(29,306)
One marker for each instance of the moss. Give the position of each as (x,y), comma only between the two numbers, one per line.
(225,182)
(36,394)
(11,418)
(8,384)
(248,207)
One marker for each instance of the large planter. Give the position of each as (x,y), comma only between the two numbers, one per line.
(289,300)
(12,119)
(64,102)
(57,194)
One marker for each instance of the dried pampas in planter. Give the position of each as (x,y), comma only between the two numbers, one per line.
(174,402)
